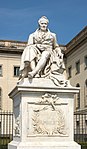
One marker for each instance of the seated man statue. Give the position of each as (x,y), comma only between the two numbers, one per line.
(39,55)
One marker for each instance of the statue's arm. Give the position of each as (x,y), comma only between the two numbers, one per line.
(56,46)
(30,39)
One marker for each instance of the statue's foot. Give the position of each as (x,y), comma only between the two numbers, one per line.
(37,76)
(30,75)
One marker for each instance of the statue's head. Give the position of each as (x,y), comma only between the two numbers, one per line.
(43,19)
(43,23)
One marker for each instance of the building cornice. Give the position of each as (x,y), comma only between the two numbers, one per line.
(79,40)
(9,46)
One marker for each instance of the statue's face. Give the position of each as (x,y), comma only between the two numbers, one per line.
(43,25)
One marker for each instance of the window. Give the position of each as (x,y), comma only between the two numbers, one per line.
(78,67)
(85,92)
(77,98)
(70,72)
(0,70)
(0,100)
(16,71)
(86,122)
(0,127)
(85,61)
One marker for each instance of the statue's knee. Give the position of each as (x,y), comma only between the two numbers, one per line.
(46,54)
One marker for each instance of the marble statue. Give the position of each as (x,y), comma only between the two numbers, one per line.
(42,57)
(43,99)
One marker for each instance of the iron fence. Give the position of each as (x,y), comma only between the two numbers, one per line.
(80,129)
(6,129)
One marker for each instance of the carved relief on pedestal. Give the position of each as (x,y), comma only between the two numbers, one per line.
(17,105)
(48,116)
(17,126)
(47,121)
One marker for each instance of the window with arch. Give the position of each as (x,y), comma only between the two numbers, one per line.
(0,99)
(0,70)
(85,92)
(85,61)
(70,72)
(78,67)
(78,97)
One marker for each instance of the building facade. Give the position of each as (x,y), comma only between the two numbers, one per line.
(10,54)
(76,68)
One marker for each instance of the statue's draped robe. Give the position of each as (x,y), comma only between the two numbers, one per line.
(39,42)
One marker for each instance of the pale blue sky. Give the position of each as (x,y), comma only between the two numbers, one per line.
(18,18)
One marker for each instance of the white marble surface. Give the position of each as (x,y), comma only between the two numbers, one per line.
(46,145)
(43,116)
(43,57)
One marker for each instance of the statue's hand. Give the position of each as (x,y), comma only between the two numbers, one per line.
(40,47)
(59,53)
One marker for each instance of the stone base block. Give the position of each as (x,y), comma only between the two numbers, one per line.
(44,145)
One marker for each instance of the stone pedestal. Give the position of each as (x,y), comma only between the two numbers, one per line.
(43,116)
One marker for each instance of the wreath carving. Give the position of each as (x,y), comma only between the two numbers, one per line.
(48,119)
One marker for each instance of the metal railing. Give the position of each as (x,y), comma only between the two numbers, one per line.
(6,129)
(80,129)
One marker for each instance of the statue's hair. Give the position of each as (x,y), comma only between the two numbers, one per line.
(43,18)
